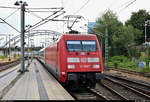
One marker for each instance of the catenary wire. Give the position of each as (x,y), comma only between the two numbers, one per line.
(128,5)
(11,14)
(82,7)
(35,15)
(9,7)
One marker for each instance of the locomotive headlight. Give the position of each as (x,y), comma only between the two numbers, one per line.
(72,66)
(93,59)
(71,59)
(96,66)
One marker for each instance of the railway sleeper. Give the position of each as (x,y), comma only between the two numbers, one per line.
(128,87)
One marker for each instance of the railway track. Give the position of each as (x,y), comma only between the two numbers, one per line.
(110,93)
(9,65)
(125,90)
(87,94)
(142,87)
(131,72)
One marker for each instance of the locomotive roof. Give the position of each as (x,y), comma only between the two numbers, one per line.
(81,36)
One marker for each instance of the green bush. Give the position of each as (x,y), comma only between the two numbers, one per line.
(126,63)
(110,64)
(17,56)
(2,57)
(122,62)
(137,54)
(121,65)
(145,69)
(118,59)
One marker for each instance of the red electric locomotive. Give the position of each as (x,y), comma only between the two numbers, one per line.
(75,59)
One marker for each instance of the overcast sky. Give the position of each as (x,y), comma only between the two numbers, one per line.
(89,9)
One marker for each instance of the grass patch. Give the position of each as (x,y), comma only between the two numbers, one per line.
(145,70)
(2,57)
(125,63)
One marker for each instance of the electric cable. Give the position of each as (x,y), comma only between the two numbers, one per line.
(48,8)
(127,5)
(9,7)
(11,14)
(120,6)
(113,3)
(82,7)
(33,14)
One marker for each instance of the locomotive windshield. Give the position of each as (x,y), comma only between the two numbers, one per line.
(74,46)
(79,45)
(89,45)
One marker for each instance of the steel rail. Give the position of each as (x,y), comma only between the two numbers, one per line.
(130,72)
(87,94)
(135,86)
(139,89)
(131,81)
(128,87)
(112,90)
(97,93)
(4,67)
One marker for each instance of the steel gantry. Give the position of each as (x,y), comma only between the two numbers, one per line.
(17,39)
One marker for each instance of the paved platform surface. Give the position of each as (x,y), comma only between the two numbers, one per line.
(7,76)
(37,84)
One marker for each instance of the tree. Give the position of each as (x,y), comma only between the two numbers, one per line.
(122,39)
(126,36)
(137,20)
(110,19)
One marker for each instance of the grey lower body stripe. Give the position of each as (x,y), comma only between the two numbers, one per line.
(42,91)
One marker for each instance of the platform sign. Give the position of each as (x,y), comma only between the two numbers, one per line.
(90,26)
(143,54)
(141,64)
(28,49)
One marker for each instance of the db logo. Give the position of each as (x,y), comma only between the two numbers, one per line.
(83,59)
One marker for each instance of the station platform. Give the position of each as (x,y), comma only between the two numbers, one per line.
(37,84)
(7,76)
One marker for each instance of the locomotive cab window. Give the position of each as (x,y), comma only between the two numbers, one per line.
(89,45)
(79,45)
(74,46)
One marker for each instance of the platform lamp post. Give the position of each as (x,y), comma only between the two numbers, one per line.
(31,42)
(22,7)
(29,26)
(9,58)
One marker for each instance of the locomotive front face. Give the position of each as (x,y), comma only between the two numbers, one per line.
(83,61)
